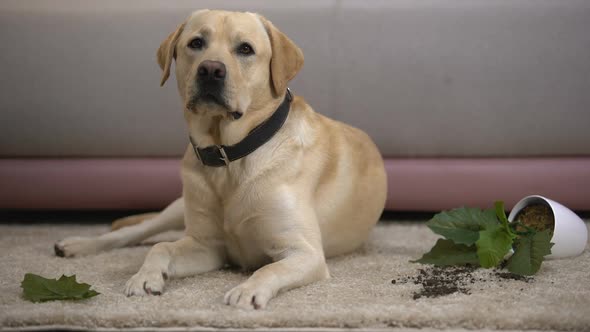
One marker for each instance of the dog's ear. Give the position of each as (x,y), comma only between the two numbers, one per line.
(167,52)
(286,60)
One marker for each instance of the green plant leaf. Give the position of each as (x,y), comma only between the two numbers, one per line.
(529,253)
(462,225)
(501,214)
(39,289)
(446,252)
(493,244)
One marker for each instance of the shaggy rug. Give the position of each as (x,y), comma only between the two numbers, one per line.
(374,288)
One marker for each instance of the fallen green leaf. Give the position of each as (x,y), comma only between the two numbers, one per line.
(446,252)
(39,289)
(462,225)
(529,252)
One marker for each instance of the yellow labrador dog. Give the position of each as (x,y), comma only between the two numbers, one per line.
(268,183)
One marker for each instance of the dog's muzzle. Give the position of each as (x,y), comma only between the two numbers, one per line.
(211,84)
(211,81)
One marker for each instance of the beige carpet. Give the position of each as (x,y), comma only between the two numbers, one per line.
(360,293)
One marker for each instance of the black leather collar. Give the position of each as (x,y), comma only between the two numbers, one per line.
(222,155)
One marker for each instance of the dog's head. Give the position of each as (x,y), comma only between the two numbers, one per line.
(229,62)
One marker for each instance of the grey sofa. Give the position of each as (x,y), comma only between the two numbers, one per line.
(469,101)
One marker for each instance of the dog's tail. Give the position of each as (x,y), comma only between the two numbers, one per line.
(131,220)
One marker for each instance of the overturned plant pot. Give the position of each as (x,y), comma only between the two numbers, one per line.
(569,231)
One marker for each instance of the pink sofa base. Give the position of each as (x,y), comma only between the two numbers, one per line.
(414,184)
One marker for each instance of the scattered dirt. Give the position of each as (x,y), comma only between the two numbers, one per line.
(512,276)
(538,216)
(440,281)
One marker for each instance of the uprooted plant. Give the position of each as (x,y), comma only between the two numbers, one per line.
(483,238)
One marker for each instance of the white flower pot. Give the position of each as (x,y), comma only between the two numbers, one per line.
(569,234)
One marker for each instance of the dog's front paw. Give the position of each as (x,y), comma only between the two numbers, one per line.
(77,246)
(145,282)
(248,296)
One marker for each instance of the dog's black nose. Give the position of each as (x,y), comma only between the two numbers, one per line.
(211,70)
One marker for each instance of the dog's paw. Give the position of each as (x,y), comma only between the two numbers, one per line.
(248,296)
(77,246)
(145,283)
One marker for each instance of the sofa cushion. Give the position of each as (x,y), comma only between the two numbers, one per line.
(447,78)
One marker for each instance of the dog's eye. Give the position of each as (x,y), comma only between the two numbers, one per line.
(245,49)
(196,44)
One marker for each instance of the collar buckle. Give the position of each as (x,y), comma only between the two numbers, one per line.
(196,149)
(224,157)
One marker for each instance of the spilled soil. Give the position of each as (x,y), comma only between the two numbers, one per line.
(440,281)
